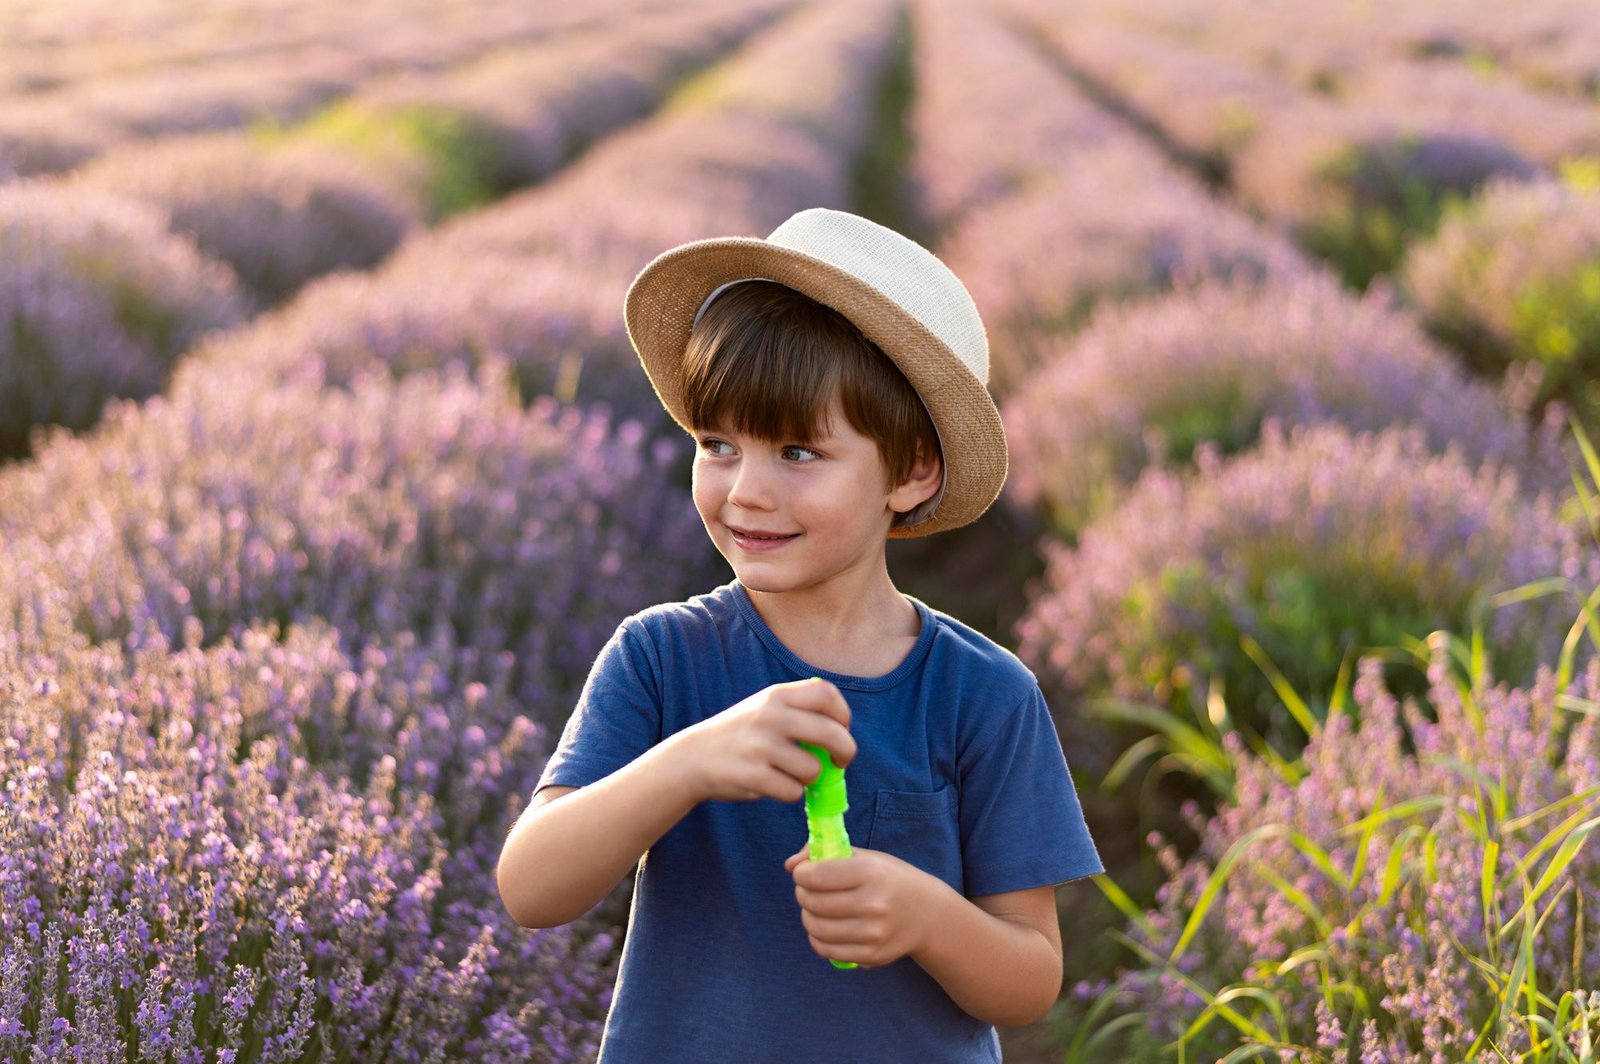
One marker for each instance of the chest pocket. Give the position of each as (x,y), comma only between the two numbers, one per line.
(921,829)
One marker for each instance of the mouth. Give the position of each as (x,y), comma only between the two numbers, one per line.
(751,539)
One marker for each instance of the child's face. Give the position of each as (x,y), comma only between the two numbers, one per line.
(796,514)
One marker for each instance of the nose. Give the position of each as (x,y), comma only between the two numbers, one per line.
(752,487)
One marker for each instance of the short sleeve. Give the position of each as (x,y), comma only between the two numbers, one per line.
(618,715)
(1021,823)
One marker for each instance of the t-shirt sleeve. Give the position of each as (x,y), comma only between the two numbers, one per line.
(618,715)
(1021,823)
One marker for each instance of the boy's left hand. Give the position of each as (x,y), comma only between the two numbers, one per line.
(870,907)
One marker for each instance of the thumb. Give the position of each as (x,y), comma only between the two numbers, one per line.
(794,860)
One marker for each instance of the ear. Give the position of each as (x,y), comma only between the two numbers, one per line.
(920,485)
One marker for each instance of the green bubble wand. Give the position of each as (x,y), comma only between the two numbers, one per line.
(825,806)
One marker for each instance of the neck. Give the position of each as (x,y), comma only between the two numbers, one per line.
(864,628)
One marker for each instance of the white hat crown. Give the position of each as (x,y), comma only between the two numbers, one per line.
(902,270)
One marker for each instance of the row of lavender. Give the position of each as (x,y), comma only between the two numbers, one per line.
(283,650)
(1252,473)
(1547,46)
(537,279)
(112,271)
(1439,170)
(80,79)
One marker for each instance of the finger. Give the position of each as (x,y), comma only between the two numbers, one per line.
(794,859)
(831,930)
(840,874)
(818,696)
(796,761)
(774,783)
(853,954)
(833,905)
(820,730)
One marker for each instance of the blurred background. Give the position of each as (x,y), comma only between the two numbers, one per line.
(326,467)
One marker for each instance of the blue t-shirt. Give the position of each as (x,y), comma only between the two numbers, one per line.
(958,771)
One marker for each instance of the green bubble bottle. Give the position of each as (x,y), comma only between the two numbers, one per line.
(825,806)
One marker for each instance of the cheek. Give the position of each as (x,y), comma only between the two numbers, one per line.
(703,486)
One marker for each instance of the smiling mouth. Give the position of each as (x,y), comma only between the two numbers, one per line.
(762,537)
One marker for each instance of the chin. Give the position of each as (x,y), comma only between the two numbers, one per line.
(764,583)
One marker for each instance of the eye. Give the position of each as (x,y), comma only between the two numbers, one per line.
(713,446)
(800,454)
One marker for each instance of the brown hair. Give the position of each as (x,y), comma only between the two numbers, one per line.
(765,360)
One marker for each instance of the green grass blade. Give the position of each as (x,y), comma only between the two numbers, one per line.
(1124,904)
(1129,759)
(1590,459)
(1298,898)
(1486,881)
(1410,807)
(1397,862)
(1569,646)
(1218,879)
(1318,856)
(1534,589)
(1291,698)
(1564,856)
(1220,1006)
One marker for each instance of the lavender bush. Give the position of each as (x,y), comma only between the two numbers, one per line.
(978,83)
(1546,128)
(1415,889)
(1206,105)
(49,136)
(1317,544)
(52,132)
(1148,383)
(1358,186)
(540,277)
(114,81)
(97,297)
(427,506)
(278,215)
(1513,280)
(529,109)
(190,866)
(1161,233)
(104,81)
(441,593)
(1005,215)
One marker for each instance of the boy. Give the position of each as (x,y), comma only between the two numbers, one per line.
(833,378)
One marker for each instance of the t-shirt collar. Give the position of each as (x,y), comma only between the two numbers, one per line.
(794,663)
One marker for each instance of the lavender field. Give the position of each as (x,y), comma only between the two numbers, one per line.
(326,468)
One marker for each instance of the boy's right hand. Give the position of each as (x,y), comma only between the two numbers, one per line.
(751,749)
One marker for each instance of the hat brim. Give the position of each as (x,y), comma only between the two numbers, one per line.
(659,312)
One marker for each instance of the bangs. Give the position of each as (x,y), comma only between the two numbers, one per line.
(767,361)
(765,364)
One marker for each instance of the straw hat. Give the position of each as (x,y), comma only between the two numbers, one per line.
(895,291)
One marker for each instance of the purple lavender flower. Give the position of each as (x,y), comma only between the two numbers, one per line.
(1150,382)
(1412,946)
(236,884)
(279,215)
(1209,104)
(99,298)
(1063,174)
(1513,279)
(1318,543)
(431,510)
(540,276)
(1358,184)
